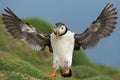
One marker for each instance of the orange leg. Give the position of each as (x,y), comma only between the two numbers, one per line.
(53,74)
(67,73)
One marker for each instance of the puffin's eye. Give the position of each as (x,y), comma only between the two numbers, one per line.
(62,28)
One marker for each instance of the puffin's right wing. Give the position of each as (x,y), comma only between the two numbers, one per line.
(100,28)
(25,32)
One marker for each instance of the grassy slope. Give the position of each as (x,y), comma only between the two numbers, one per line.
(17,61)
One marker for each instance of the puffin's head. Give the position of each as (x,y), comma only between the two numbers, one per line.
(60,29)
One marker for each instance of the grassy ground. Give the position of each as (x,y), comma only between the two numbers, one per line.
(18,62)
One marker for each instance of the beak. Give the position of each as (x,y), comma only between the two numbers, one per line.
(57,34)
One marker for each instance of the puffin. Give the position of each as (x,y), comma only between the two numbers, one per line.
(62,42)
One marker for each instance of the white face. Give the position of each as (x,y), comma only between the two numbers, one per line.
(60,29)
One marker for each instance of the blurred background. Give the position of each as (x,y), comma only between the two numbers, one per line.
(77,16)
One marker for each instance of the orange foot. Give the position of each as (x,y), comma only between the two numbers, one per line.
(67,73)
(53,74)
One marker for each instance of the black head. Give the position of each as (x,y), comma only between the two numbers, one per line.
(60,29)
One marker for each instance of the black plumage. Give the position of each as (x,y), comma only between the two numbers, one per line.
(24,31)
(101,27)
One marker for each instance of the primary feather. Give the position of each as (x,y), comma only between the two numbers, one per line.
(25,32)
(101,27)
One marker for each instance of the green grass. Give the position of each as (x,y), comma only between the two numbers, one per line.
(99,78)
(82,72)
(10,75)
(19,62)
(79,58)
(17,65)
(3,45)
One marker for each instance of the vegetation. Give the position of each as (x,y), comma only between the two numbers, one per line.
(98,78)
(19,62)
(82,72)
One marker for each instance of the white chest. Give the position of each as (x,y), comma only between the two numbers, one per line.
(63,46)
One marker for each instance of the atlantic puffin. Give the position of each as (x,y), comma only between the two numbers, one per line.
(61,42)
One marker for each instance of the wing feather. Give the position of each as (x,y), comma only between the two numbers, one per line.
(102,27)
(25,32)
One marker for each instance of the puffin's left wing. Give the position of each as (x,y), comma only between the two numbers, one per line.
(101,27)
(24,31)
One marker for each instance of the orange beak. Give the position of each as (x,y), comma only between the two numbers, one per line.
(57,34)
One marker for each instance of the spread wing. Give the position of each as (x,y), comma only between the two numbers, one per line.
(25,32)
(100,28)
